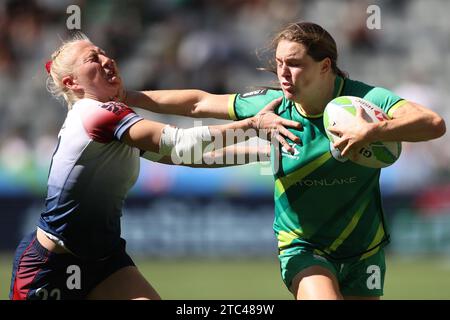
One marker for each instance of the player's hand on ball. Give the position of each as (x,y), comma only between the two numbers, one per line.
(275,126)
(352,138)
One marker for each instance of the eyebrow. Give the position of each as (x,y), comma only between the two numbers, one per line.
(96,51)
(290,58)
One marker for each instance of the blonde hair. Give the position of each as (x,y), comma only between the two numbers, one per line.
(62,66)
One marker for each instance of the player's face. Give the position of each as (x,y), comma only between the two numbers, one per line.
(297,72)
(96,72)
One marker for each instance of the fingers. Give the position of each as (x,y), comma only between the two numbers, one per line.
(346,150)
(285,132)
(292,124)
(339,144)
(334,130)
(284,143)
(272,105)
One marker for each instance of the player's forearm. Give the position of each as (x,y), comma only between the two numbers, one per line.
(234,132)
(234,155)
(191,103)
(410,123)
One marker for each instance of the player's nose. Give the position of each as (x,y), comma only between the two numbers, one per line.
(284,70)
(107,62)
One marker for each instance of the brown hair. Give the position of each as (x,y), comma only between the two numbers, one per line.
(318,42)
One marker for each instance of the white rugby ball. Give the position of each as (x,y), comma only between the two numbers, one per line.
(341,111)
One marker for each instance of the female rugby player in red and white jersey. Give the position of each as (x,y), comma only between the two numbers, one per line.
(77,251)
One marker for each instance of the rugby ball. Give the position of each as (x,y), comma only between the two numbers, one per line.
(341,111)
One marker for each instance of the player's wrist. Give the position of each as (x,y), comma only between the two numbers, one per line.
(374,132)
(253,122)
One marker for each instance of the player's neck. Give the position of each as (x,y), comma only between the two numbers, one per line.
(315,103)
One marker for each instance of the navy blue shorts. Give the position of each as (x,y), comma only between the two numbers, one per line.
(39,274)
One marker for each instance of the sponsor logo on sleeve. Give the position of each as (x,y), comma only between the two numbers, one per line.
(260,92)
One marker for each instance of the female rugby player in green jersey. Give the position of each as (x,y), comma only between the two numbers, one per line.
(329,220)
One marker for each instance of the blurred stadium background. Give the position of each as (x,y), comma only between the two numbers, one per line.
(206,233)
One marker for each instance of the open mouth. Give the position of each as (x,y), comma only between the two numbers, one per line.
(111,76)
(288,86)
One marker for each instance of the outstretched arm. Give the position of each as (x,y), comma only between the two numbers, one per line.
(191,103)
(191,144)
(233,155)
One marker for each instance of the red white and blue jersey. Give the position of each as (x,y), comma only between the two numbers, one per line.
(90,175)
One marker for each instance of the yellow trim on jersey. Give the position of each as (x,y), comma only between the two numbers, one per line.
(286,238)
(231,112)
(318,252)
(349,228)
(284,183)
(299,108)
(338,86)
(395,107)
(378,236)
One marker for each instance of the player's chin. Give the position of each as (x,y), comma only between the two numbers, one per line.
(115,82)
(289,95)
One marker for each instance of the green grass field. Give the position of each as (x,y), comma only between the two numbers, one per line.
(425,278)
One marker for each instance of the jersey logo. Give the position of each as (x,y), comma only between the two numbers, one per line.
(294,156)
(260,92)
(115,107)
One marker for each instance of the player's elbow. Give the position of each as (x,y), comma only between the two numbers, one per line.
(199,104)
(197,111)
(438,127)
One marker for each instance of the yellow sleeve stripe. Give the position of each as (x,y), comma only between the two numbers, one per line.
(395,107)
(231,112)
(286,238)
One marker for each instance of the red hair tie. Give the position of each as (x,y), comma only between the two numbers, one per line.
(48,65)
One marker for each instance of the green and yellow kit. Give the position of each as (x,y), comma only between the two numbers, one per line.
(322,203)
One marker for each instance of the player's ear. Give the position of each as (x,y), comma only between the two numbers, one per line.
(325,65)
(70,83)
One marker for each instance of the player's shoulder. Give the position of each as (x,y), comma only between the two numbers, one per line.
(356,88)
(102,119)
(86,105)
(364,90)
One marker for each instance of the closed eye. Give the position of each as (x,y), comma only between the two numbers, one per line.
(289,63)
(93,58)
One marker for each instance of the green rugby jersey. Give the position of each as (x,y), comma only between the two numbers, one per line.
(323,203)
